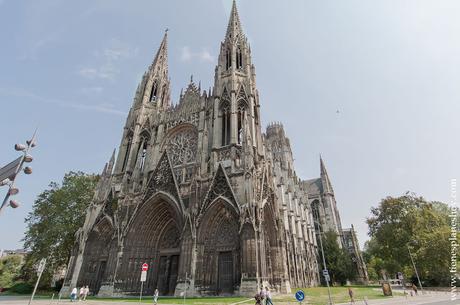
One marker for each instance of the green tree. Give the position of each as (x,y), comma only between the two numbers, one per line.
(410,221)
(10,268)
(338,260)
(57,214)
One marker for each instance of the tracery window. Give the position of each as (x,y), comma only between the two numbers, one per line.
(228,59)
(182,149)
(154,92)
(225,117)
(316,215)
(239,58)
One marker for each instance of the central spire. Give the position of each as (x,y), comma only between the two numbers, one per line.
(161,58)
(234,24)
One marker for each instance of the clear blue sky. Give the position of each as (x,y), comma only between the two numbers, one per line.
(390,67)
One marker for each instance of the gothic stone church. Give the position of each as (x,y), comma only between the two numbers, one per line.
(201,194)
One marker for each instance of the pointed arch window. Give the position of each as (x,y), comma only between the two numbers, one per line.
(142,150)
(242,109)
(154,92)
(143,155)
(239,58)
(128,149)
(163,93)
(316,215)
(225,117)
(228,59)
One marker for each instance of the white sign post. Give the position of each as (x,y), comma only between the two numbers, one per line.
(145,267)
(41,268)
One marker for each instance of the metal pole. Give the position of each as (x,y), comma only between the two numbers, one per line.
(325,267)
(36,284)
(52,298)
(140,295)
(416,273)
(5,201)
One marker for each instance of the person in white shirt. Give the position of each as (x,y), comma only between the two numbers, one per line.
(155,296)
(73,294)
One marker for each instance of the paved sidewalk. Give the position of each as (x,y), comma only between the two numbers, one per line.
(428,298)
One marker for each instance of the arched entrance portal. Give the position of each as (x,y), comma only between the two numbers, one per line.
(218,270)
(154,238)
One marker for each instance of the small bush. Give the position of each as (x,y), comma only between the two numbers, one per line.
(21,288)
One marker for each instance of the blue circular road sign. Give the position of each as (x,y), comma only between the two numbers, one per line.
(300,295)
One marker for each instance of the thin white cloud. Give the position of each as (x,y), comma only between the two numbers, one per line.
(110,58)
(187,55)
(103,107)
(206,56)
(91,90)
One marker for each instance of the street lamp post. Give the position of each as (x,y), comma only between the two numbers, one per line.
(324,262)
(415,269)
(9,172)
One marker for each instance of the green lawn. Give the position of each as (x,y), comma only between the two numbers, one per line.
(314,296)
(173,300)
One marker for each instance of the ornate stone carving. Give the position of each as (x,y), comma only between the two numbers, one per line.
(220,186)
(182,147)
(162,179)
(182,150)
(171,238)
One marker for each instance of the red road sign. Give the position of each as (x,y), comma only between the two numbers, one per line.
(145,267)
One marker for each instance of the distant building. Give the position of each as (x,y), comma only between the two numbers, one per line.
(20,252)
(199,192)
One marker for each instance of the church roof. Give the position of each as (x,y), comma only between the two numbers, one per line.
(314,186)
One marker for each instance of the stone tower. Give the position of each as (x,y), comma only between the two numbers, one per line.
(200,193)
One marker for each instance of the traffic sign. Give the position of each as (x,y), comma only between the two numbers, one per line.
(325,272)
(300,295)
(145,267)
(143,276)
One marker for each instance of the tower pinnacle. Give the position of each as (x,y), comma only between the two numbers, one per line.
(325,177)
(160,62)
(234,25)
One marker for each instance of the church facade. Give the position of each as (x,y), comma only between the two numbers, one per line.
(200,193)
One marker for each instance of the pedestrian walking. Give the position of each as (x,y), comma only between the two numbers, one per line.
(268,297)
(85,293)
(415,289)
(82,293)
(73,294)
(155,296)
(258,299)
(262,295)
(351,293)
